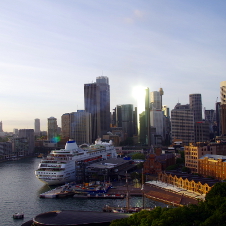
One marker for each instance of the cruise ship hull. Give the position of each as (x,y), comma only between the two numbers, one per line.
(61,166)
(53,182)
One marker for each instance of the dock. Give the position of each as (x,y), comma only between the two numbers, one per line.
(100,195)
(81,191)
(118,209)
(52,193)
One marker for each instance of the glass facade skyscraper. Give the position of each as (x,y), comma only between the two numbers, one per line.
(97,102)
(195,101)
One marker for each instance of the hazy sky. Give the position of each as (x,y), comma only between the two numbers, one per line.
(50,48)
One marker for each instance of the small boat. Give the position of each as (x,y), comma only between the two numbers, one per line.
(18,216)
(121,209)
(118,211)
(40,155)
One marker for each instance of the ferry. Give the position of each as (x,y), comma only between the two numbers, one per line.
(62,166)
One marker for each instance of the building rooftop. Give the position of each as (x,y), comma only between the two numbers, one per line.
(215,157)
(72,217)
(196,178)
(109,163)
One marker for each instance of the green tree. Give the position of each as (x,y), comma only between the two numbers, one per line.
(185,169)
(4,139)
(138,156)
(206,213)
(218,190)
(179,161)
(172,167)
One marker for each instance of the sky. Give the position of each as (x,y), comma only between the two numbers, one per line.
(50,49)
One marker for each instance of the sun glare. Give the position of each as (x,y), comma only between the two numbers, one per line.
(139,95)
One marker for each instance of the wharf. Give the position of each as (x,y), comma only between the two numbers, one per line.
(118,209)
(81,191)
(123,189)
(100,195)
(154,191)
(52,193)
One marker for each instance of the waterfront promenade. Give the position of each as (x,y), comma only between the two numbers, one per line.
(154,190)
(161,192)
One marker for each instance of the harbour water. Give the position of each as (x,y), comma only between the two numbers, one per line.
(20,191)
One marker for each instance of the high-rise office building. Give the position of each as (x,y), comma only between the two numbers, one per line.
(147,117)
(65,125)
(182,123)
(97,102)
(195,101)
(155,100)
(118,115)
(223,119)
(52,128)
(1,130)
(166,111)
(210,117)
(16,131)
(223,92)
(156,120)
(218,127)
(80,126)
(28,134)
(135,132)
(37,127)
(223,107)
(156,115)
(124,118)
(202,131)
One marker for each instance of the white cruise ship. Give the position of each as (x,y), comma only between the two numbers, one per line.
(62,166)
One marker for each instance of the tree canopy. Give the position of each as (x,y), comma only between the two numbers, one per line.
(206,213)
(138,156)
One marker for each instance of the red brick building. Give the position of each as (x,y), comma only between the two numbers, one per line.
(155,164)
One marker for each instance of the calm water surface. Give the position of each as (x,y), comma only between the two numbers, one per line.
(20,191)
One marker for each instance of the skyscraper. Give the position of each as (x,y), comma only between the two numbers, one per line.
(182,123)
(218,129)
(223,92)
(16,131)
(156,100)
(1,130)
(37,127)
(124,118)
(28,134)
(195,101)
(97,102)
(65,125)
(156,115)
(165,110)
(52,128)
(147,117)
(223,107)
(80,126)
(118,117)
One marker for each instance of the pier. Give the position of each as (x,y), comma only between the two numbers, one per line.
(152,190)
(52,193)
(91,190)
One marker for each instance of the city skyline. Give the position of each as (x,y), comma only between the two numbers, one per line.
(50,49)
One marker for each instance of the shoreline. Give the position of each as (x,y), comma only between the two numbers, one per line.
(157,194)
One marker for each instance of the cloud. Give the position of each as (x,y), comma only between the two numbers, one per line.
(136,15)
(129,20)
